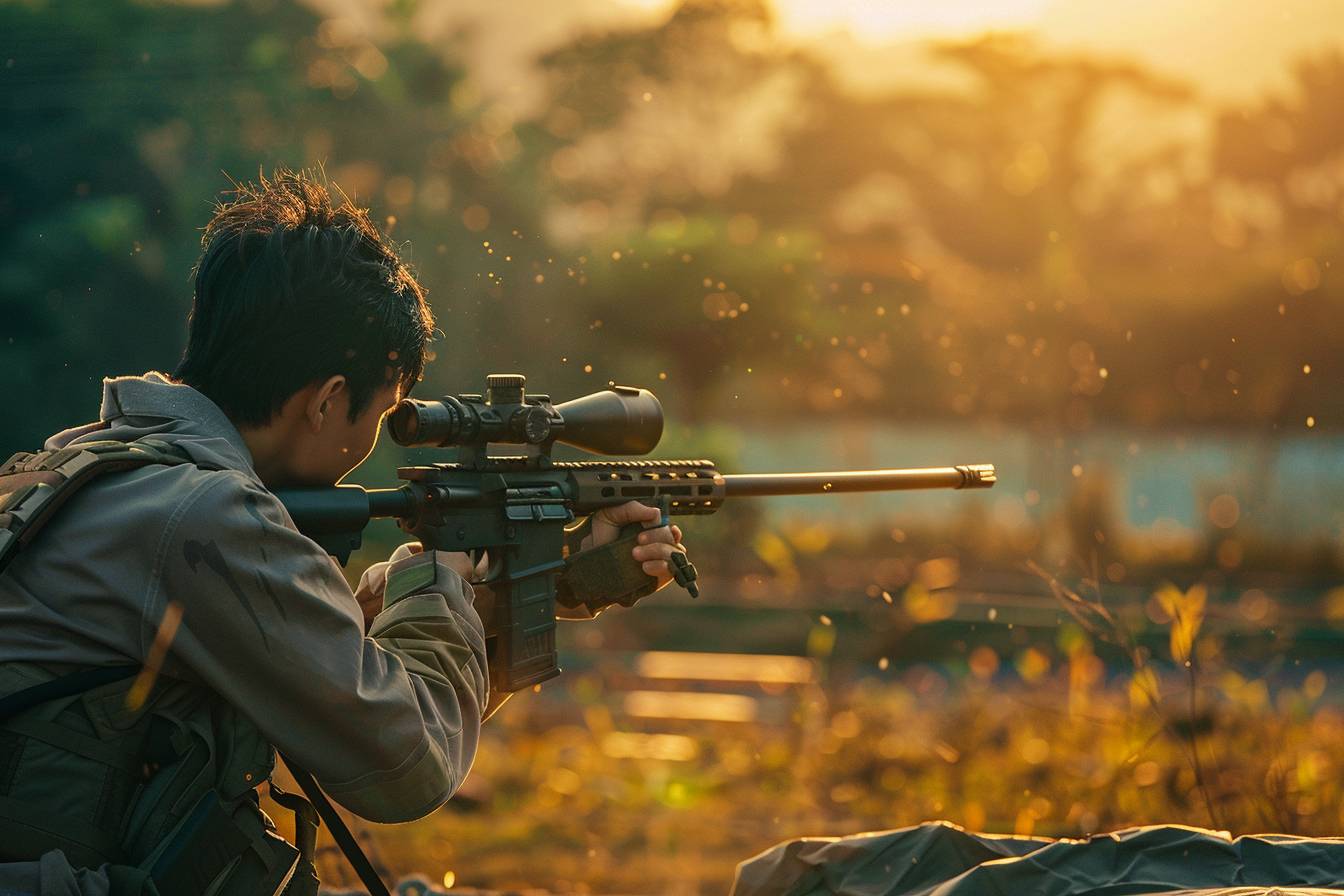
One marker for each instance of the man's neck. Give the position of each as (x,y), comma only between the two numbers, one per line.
(270,448)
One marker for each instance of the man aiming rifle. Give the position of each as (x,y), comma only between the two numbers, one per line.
(179,622)
(306,328)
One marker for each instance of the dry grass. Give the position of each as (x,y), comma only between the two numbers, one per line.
(1054,745)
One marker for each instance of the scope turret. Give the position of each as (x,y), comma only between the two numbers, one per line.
(618,420)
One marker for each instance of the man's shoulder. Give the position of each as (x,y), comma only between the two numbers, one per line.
(156,495)
(116,528)
(189,492)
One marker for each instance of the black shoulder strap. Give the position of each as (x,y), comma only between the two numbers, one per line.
(64,686)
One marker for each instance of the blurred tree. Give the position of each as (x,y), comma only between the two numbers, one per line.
(679,141)
(111,152)
(1062,204)
(107,169)
(1053,240)
(1276,140)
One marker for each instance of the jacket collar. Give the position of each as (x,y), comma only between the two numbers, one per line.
(127,400)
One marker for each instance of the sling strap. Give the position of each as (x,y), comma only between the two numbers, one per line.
(350,847)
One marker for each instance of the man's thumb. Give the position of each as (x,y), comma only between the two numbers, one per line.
(408,549)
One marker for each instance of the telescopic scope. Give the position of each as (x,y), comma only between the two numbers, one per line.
(617,420)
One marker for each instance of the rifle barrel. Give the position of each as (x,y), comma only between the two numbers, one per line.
(764,484)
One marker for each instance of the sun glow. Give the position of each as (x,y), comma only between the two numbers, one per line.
(879,21)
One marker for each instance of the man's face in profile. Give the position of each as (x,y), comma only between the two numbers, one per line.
(328,455)
(357,439)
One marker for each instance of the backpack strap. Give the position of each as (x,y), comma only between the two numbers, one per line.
(33,486)
(65,686)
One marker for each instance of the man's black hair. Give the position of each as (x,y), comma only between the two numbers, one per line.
(296,285)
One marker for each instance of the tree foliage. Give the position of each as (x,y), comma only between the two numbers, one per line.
(697,205)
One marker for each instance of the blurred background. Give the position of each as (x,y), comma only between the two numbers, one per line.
(1096,244)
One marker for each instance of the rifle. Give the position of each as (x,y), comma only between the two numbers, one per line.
(518,508)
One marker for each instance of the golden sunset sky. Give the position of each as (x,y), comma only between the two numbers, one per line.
(1227,49)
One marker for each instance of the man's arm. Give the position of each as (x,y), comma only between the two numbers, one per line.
(388,723)
(373,584)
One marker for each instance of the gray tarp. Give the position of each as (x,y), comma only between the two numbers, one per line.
(941,859)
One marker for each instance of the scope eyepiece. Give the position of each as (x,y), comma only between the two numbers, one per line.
(619,420)
(432,423)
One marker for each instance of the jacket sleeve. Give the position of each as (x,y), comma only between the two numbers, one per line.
(387,722)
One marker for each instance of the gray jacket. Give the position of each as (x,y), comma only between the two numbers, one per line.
(387,721)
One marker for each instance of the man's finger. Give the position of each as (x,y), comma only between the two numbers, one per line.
(630,512)
(459,562)
(658,569)
(663,534)
(659,551)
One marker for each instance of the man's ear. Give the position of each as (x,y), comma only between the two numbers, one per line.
(323,401)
